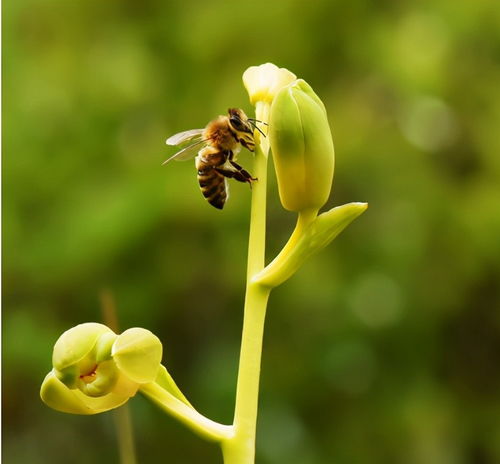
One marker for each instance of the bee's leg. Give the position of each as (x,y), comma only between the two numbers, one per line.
(238,174)
(248,177)
(229,173)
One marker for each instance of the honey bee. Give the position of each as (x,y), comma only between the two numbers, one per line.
(215,148)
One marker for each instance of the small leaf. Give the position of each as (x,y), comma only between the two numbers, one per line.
(315,237)
(165,381)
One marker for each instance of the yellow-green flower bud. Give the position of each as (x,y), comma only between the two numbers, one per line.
(100,380)
(265,81)
(96,370)
(302,147)
(74,356)
(137,353)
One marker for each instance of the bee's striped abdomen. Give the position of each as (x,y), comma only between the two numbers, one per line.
(212,184)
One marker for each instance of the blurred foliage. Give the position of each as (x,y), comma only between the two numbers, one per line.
(383,349)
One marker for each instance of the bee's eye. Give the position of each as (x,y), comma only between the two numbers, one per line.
(236,123)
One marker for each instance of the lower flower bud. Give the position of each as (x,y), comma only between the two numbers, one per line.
(96,370)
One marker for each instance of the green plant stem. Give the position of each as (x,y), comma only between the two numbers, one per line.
(200,424)
(240,449)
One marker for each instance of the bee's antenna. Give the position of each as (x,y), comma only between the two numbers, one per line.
(256,120)
(256,127)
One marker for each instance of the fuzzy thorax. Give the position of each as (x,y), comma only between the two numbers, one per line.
(219,134)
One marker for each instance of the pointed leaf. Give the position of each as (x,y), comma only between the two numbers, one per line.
(318,235)
(165,381)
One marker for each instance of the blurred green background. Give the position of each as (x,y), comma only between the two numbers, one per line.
(383,349)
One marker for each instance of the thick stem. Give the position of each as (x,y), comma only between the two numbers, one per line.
(257,235)
(240,449)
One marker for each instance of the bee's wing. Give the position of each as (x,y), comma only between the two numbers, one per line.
(183,137)
(186,153)
(193,135)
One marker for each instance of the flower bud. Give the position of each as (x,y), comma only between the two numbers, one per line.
(302,147)
(74,356)
(265,81)
(95,370)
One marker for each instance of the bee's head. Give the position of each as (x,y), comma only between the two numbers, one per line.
(239,121)
(241,127)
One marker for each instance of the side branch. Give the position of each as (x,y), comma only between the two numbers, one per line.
(200,424)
